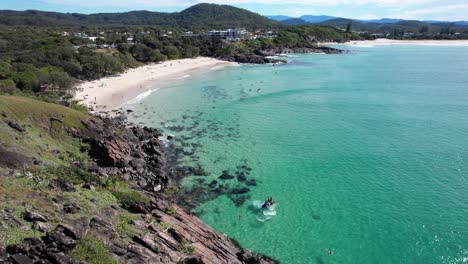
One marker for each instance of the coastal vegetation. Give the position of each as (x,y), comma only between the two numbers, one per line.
(404,29)
(49,62)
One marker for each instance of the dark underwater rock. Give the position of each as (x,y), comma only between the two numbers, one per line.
(226,176)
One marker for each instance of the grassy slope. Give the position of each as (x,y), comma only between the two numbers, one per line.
(44,139)
(19,192)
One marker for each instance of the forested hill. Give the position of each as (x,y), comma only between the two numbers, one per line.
(201,16)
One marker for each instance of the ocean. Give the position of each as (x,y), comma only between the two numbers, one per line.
(365,153)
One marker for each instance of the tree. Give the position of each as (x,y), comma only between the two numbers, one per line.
(424,29)
(348,27)
(171,52)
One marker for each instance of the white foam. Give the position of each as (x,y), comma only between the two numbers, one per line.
(141,96)
(183,77)
(364,46)
(217,68)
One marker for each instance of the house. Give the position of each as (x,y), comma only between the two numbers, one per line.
(228,34)
(130,41)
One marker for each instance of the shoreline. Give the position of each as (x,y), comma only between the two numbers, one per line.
(111,92)
(385,42)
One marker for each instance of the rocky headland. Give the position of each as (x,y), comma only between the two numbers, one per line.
(77,188)
(264,56)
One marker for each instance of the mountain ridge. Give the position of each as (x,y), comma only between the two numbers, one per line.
(315,19)
(200,16)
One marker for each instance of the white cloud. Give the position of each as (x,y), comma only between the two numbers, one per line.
(447,12)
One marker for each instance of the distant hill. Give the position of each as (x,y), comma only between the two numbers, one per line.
(343,23)
(279,18)
(294,22)
(308,18)
(371,23)
(316,19)
(381,21)
(201,16)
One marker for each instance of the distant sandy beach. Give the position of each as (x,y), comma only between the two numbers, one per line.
(110,92)
(381,42)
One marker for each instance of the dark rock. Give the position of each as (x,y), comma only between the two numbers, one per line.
(138,208)
(33,217)
(139,165)
(89,186)
(71,208)
(247,257)
(240,190)
(213,184)
(21,259)
(56,119)
(226,176)
(251,182)
(239,201)
(40,226)
(175,235)
(193,259)
(16,126)
(33,241)
(62,185)
(241,177)
(101,226)
(17,249)
(221,189)
(59,258)
(119,251)
(62,237)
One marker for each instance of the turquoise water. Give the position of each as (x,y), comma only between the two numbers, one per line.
(366,153)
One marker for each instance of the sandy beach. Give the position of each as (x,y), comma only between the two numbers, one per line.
(110,92)
(381,42)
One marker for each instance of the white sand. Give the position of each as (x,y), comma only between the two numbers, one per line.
(380,42)
(111,92)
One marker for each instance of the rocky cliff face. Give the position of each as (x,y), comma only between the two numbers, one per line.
(264,56)
(169,235)
(114,207)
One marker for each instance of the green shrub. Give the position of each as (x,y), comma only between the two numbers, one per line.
(124,225)
(93,251)
(129,198)
(79,107)
(72,175)
(170,211)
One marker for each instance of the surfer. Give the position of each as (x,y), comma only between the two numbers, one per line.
(268,203)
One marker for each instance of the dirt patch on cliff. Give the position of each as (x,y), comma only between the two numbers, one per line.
(12,160)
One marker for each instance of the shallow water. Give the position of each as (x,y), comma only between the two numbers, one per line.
(366,153)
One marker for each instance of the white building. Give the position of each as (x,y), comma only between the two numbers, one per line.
(130,41)
(229,34)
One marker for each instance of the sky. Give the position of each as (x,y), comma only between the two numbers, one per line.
(446,10)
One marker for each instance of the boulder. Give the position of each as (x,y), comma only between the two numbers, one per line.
(61,185)
(40,226)
(34,217)
(3,255)
(71,208)
(62,237)
(21,259)
(16,126)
